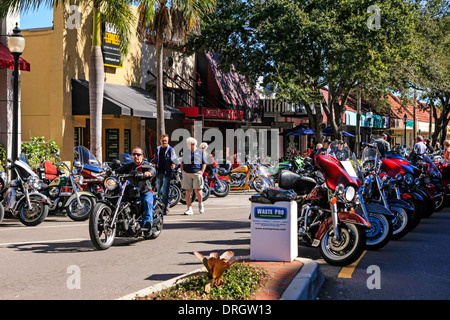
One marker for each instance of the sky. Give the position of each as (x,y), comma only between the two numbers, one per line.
(41,18)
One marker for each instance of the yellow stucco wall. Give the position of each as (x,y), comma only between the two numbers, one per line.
(56,56)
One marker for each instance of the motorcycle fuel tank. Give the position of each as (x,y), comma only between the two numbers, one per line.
(394,166)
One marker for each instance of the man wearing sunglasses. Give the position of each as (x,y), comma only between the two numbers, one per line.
(144,185)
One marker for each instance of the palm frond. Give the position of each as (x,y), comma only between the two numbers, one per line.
(23,6)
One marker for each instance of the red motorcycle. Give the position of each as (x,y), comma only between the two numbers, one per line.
(444,168)
(326,222)
(408,186)
(219,184)
(90,168)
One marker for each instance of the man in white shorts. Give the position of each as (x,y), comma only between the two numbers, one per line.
(193,165)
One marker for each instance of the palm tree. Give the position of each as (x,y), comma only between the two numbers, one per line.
(116,12)
(171,23)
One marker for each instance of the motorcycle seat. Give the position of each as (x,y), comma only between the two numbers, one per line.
(51,172)
(272,195)
(300,184)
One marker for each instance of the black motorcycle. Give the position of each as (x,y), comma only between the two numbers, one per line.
(21,198)
(121,212)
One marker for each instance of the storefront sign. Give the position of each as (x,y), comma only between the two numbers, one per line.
(225,114)
(111,46)
(274,231)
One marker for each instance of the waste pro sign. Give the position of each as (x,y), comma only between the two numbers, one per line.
(274,231)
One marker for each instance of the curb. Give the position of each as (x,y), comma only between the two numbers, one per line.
(306,284)
(160,286)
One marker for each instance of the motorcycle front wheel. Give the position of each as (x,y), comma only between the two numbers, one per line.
(260,184)
(380,232)
(345,250)
(401,222)
(440,202)
(100,231)
(34,215)
(221,188)
(80,213)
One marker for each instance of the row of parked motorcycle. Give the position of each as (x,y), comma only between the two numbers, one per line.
(52,188)
(346,207)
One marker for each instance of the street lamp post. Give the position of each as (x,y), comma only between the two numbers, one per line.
(369,116)
(405,120)
(16,44)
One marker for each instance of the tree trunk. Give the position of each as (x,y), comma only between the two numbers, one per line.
(160,125)
(96,85)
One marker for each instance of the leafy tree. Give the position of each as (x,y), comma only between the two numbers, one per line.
(429,74)
(38,150)
(300,47)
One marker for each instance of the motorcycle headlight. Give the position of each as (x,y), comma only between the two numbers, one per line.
(408,178)
(340,189)
(110,183)
(34,182)
(350,193)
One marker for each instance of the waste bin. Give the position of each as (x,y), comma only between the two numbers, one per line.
(274,226)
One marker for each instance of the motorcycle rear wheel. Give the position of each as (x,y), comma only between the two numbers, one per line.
(34,216)
(101,234)
(347,249)
(76,213)
(158,222)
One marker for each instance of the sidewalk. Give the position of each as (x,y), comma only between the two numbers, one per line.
(300,279)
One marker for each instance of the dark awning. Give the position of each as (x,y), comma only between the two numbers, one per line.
(120,99)
(7,60)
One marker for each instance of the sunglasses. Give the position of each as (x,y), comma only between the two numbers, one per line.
(137,154)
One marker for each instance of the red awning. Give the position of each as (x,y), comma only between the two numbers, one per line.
(7,60)
(234,88)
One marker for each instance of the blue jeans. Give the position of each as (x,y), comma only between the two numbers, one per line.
(147,203)
(162,185)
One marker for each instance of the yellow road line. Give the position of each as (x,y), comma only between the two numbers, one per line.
(347,271)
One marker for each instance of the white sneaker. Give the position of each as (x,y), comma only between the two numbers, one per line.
(189,211)
(201,208)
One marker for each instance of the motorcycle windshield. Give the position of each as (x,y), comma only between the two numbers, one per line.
(23,167)
(368,157)
(125,158)
(87,159)
(334,172)
(339,151)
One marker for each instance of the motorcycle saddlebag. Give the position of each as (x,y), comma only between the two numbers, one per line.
(272,195)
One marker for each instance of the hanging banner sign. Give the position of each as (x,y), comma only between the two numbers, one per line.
(111,46)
